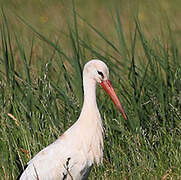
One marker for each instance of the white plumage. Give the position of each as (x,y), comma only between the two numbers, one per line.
(72,155)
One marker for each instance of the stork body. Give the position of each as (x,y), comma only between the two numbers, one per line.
(72,155)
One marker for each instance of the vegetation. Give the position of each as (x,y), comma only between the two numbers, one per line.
(41,92)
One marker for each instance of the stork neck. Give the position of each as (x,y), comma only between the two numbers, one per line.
(89,93)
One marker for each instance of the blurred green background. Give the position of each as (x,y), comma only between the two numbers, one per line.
(52,19)
(50,16)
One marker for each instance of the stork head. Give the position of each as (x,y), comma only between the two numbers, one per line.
(98,71)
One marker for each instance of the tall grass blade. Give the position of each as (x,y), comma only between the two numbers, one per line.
(121,39)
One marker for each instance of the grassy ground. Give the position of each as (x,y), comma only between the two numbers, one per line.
(44,46)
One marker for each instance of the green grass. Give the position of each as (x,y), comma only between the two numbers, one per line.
(41,96)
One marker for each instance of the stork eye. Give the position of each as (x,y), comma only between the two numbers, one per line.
(101,74)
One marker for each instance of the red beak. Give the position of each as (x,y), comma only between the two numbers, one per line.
(106,84)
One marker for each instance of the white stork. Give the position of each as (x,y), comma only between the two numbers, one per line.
(72,155)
